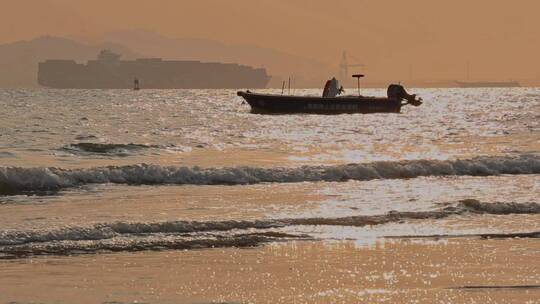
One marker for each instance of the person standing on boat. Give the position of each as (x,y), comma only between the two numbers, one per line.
(331,89)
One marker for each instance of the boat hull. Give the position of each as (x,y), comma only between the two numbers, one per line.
(280,104)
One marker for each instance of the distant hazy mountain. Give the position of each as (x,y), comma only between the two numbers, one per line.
(19,60)
(305,71)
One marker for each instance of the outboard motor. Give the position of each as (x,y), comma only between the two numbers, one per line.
(397,91)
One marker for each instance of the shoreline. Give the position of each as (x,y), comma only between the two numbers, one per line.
(303,272)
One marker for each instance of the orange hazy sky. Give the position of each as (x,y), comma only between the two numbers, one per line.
(424,37)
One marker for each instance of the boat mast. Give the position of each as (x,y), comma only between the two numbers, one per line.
(289,85)
(358,76)
(468,71)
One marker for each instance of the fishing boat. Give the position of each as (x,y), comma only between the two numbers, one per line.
(396,98)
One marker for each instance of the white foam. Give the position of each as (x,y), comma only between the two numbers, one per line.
(111,230)
(16,180)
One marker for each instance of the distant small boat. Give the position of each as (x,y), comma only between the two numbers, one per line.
(488,84)
(286,104)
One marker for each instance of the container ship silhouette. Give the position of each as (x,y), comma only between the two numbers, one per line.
(109,72)
(488,84)
(485,84)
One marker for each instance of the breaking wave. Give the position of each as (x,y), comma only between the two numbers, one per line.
(121,150)
(127,236)
(15,180)
(108,149)
(144,243)
(498,208)
(117,229)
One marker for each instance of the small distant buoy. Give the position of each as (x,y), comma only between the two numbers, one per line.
(136,86)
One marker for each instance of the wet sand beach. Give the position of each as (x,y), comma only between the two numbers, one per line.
(451,270)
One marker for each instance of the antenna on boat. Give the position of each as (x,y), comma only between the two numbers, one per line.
(283,87)
(289,85)
(358,76)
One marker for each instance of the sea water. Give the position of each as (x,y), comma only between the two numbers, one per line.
(101,171)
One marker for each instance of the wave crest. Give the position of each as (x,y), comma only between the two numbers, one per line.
(498,208)
(117,229)
(106,149)
(17,180)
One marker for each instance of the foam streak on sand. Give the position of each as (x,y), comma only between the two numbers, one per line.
(170,242)
(125,236)
(15,180)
